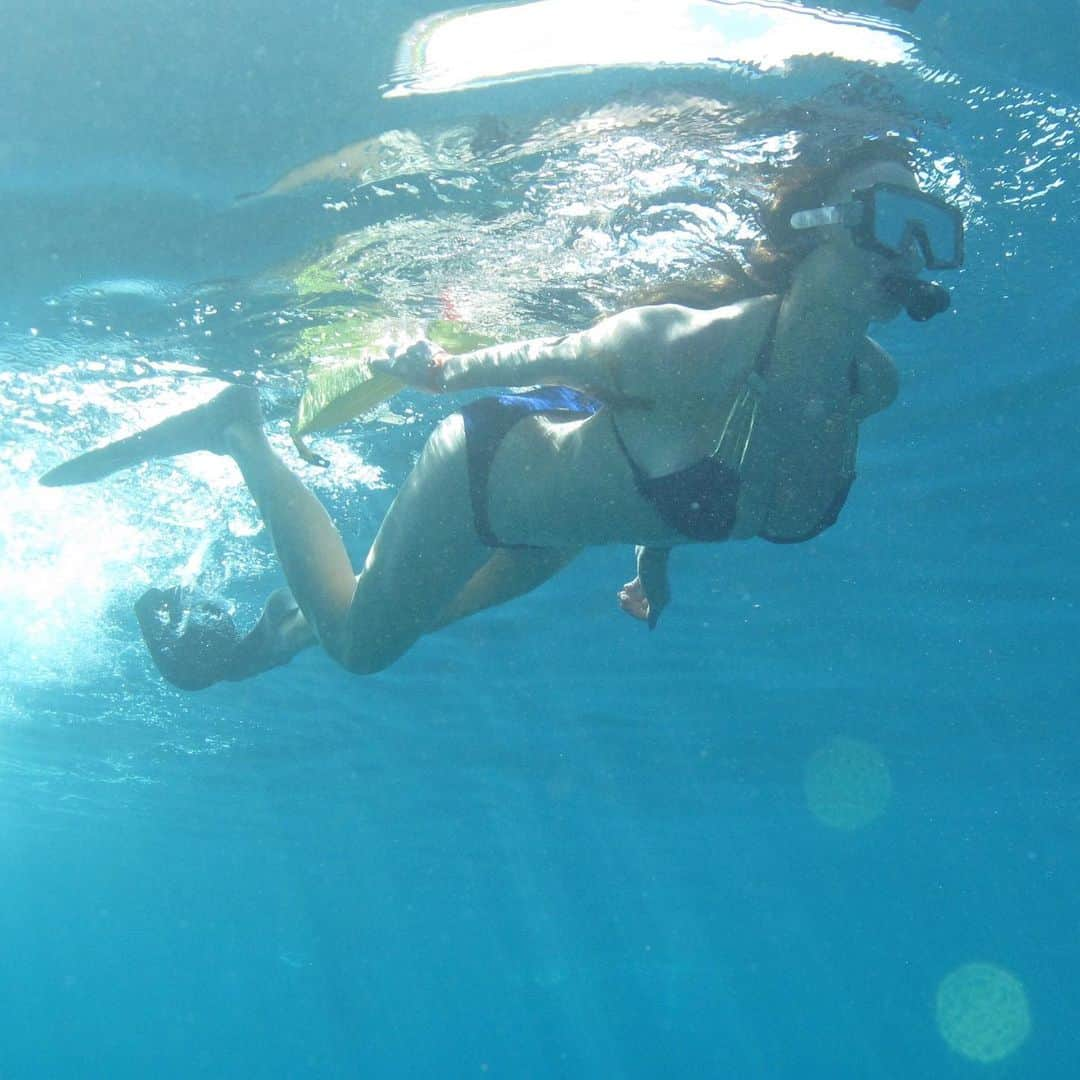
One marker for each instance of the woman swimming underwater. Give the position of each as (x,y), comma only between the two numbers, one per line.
(662,425)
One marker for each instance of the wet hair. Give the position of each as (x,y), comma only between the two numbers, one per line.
(807,182)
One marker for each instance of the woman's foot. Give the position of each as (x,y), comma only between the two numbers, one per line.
(281,632)
(201,428)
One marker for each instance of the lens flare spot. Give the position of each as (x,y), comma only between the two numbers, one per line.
(847,784)
(982,1012)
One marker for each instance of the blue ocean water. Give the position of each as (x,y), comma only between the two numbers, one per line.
(754,843)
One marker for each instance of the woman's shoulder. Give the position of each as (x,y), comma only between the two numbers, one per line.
(748,317)
(738,330)
(747,307)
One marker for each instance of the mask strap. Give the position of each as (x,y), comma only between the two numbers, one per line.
(845,214)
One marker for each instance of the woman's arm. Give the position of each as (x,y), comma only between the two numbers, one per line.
(637,355)
(576,360)
(570,360)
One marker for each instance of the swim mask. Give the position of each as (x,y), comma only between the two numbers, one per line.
(890,218)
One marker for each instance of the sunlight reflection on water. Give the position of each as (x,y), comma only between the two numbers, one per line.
(484,46)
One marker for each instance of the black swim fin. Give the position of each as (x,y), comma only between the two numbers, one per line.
(194,642)
(191,638)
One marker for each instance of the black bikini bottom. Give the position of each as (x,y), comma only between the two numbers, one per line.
(487,421)
(699,501)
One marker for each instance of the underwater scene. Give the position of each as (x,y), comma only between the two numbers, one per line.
(537,801)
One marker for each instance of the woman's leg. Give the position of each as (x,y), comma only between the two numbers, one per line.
(282,631)
(425,553)
(508,573)
(308,545)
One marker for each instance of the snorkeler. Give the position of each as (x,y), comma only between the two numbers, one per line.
(659,426)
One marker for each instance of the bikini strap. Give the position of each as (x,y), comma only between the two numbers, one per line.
(744,409)
(641,481)
(768,344)
(751,394)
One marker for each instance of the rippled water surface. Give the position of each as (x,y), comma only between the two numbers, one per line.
(823,822)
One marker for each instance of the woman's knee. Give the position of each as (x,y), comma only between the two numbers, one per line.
(370,639)
(369,658)
(359,658)
(425,552)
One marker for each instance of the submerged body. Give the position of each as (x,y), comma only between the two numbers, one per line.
(688,425)
(620,474)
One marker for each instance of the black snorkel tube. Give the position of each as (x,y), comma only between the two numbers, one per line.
(922,300)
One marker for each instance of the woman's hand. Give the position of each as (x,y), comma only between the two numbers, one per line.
(419,366)
(648,594)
